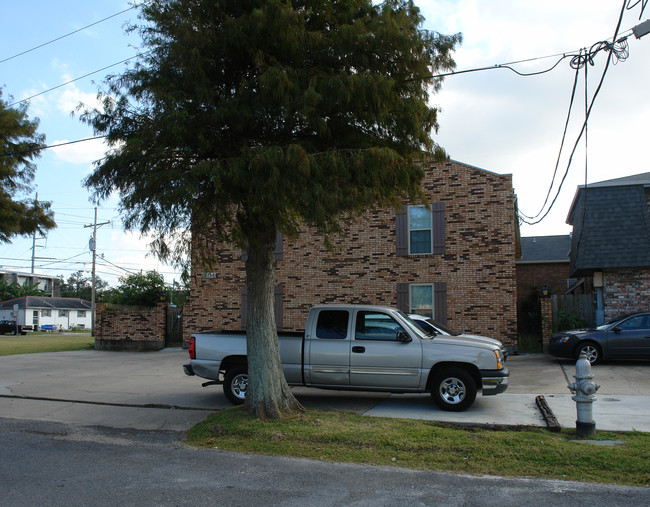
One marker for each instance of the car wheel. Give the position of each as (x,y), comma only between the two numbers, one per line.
(591,350)
(235,384)
(13,332)
(453,389)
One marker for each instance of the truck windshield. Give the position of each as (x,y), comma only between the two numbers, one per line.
(414,327)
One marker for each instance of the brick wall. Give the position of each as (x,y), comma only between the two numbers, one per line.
(129,327)
(532,276)
(625,291)
(478,264)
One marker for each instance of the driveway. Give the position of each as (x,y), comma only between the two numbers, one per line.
(149,391)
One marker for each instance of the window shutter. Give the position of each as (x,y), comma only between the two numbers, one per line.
(244,306)
(440,302)
(403,297)
(278,306)
(401,233)
(278,246)
(438,226)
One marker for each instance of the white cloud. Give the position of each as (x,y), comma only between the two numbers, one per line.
(84,152)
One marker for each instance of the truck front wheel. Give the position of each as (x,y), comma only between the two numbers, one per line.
(453,389)
(235,384)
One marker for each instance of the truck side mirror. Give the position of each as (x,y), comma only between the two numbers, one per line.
(403,337)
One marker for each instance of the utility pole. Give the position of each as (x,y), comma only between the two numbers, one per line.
(93,248)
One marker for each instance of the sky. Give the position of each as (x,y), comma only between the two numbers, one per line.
(493,119)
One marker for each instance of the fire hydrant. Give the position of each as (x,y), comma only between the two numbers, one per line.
(584,389)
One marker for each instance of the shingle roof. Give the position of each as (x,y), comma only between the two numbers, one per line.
(47,303)
(545,249)
(613,229)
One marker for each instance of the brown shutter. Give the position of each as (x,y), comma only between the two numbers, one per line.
(440,302)
(278,307)
(438,226)
(401,233)
(403,297)
(244,306)
(278,246)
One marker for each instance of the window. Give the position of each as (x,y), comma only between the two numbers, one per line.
(421,299)
(420,241)
(332,324)
(421,230)
(81,314)
(376,326)
(63,313)
(428,299)
(46,313)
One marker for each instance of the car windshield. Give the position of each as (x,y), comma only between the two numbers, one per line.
(414,327)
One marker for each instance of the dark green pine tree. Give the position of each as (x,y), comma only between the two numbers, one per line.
(247,117)
(20,144)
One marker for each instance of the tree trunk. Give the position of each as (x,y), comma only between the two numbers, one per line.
(268,394)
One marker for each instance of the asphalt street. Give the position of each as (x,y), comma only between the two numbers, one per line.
(45,463)
(149,391)
(105,428)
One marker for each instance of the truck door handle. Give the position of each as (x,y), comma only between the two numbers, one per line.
(358,349)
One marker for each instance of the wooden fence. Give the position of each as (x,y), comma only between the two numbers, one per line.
(573,311)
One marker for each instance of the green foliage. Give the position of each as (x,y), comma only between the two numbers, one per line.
(80,286)
(140,289)
(20,144)
(247,116)
(569,321)
(15,290)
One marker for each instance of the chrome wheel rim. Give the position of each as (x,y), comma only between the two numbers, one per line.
(239,385)
(591,352)
(452,390)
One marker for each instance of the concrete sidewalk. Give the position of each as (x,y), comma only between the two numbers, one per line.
(150,391)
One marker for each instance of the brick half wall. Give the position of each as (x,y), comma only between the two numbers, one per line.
(130,327)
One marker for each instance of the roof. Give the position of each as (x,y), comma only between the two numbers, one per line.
(542,249)
(611,225)
(46,303)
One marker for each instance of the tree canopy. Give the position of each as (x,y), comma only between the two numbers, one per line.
(248,117)
(20,144)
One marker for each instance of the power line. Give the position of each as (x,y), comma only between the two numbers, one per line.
(610,55)
(69,34)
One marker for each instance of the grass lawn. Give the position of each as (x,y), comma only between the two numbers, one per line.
(427,445)
(44,342)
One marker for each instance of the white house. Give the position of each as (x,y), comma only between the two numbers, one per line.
(47,313)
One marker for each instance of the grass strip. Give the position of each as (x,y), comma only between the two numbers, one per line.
(52,342)
(427,445)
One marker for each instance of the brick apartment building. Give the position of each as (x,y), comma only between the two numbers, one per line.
(455,261)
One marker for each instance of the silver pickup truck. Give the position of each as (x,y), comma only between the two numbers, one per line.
(362,348)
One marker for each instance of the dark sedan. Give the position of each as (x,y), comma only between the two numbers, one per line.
(626,337)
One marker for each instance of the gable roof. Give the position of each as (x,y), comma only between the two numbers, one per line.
(611,225)
(46,303)
(545,249)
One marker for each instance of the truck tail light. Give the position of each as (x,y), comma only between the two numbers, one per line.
(192,348)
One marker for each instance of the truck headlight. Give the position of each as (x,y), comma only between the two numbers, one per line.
(499,356)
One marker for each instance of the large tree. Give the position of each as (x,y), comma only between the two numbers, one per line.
(20,144)
(248,117)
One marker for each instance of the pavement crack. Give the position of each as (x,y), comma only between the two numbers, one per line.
(107,403)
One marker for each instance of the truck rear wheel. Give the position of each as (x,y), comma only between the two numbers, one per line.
(453,389)
(235,384)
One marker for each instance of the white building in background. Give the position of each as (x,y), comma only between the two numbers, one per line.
(47,313)
(50,285)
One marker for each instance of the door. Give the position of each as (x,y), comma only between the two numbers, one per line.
(378,359)
(327,358)
(631,338)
